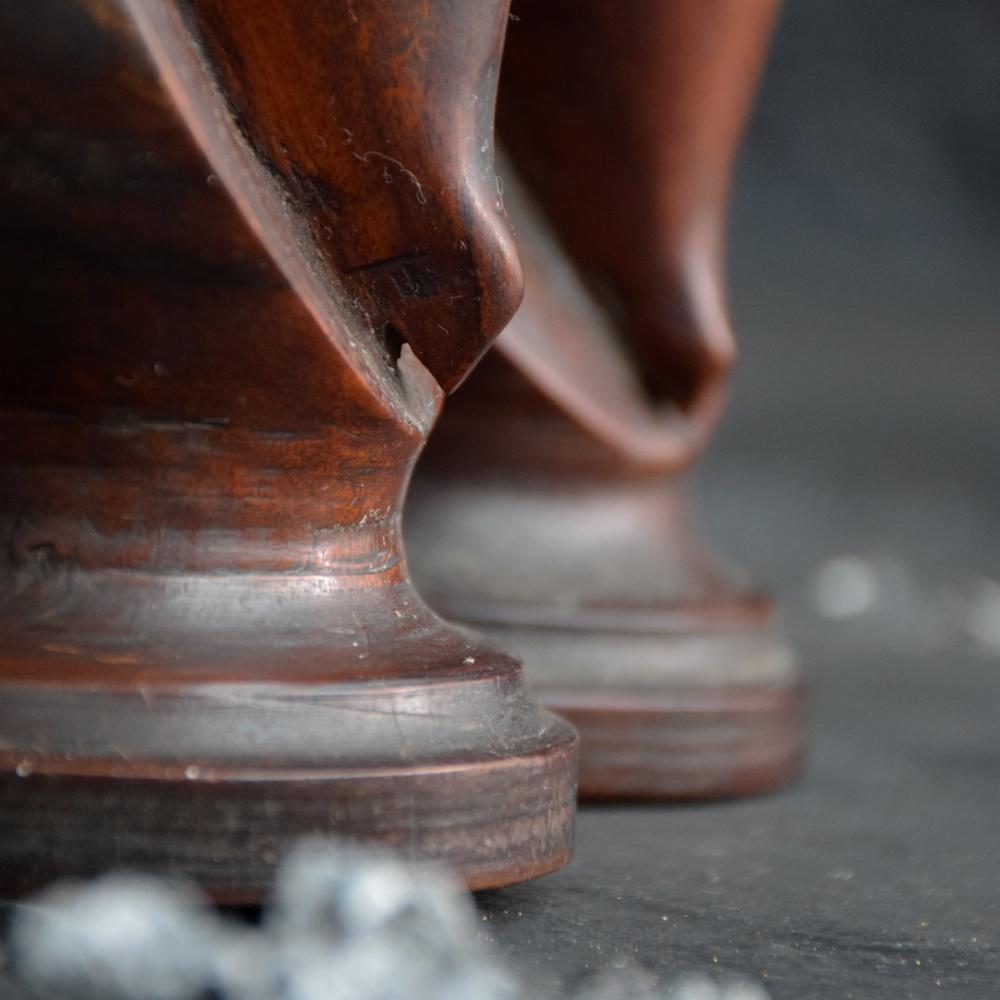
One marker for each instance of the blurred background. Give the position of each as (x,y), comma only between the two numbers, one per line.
(865,274)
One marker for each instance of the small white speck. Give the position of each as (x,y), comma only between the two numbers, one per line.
(983,615)
(469,659)
(192,771)
(845,587)
(23,769)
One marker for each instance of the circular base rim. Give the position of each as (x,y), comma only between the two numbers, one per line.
(493,822)
(684,744)
(674,716)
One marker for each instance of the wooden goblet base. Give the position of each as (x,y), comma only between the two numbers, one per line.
(207,757)
(193,676)
(670,715)
(675,677)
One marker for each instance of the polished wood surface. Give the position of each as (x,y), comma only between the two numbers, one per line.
(245,246)
(624,119)
(592,568)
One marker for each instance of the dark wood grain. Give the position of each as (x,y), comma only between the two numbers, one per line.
(222,352)
(385,157)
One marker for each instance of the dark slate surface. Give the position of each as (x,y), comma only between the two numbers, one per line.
(877,876)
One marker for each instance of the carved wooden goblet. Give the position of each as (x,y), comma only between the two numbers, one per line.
(244,245)
(551,507)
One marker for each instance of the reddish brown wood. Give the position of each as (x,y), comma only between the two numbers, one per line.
(589,565)
(243,245)
(551,508)
(624,119)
